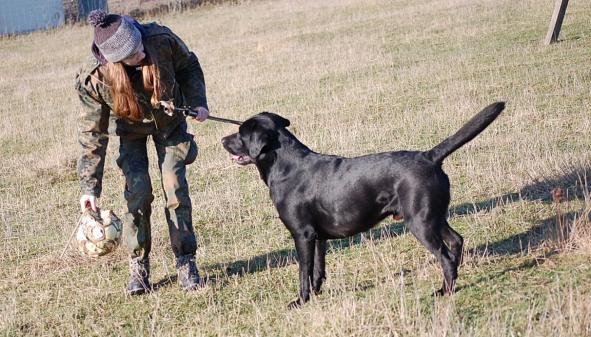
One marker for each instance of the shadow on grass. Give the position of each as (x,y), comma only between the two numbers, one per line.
(533,262)
(570,182)
(286,257)
(554,230)
(574,185)
(551,229)
(170,279)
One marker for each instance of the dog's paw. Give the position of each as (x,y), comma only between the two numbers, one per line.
(443,292)
(294,304)
(439,293)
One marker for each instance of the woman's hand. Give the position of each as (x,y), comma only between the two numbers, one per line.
(202,113)
(88,201)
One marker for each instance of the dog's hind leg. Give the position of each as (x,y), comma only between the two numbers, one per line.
(319,266)
(428,232)
(454,241)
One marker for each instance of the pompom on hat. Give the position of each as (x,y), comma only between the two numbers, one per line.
(115,36)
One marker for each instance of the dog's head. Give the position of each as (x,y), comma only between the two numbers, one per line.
(257,136)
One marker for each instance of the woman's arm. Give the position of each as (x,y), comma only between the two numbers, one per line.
(93,137)
(188,73)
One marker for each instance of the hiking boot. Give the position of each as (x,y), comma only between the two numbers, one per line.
(139,274)
(188,277)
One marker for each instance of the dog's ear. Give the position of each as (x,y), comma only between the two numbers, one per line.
(279,121)
(260,131)
(257,141)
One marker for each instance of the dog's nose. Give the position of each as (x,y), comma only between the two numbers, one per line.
(224,141)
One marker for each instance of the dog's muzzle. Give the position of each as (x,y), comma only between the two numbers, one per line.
(230,144)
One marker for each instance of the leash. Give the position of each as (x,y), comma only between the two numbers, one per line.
(169,108)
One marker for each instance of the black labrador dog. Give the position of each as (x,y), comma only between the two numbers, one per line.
(320,197)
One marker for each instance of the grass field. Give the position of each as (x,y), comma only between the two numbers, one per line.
(354,77)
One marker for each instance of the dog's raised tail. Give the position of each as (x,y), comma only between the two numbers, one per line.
(466,133)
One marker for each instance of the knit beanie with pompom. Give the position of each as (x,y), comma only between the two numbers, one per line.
(115,36)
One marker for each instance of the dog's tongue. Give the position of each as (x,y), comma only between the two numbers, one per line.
(236,157)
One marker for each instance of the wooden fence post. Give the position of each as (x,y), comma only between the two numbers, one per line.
(556,22)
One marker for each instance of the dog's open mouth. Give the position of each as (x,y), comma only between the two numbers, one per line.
(241,159)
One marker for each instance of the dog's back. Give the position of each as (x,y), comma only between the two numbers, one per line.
(345,196)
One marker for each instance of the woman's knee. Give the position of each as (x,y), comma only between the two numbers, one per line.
(138,192)
(176,189)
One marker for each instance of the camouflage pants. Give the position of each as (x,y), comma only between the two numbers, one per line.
(174,153)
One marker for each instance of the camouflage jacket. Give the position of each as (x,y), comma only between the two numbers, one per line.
(181,79)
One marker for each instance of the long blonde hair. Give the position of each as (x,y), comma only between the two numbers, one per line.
(125,103)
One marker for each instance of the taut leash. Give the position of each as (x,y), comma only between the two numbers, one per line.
(169,108)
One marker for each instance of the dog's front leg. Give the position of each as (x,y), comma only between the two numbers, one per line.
(319,266)
(305,239)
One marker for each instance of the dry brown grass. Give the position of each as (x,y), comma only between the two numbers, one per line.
(354,77)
